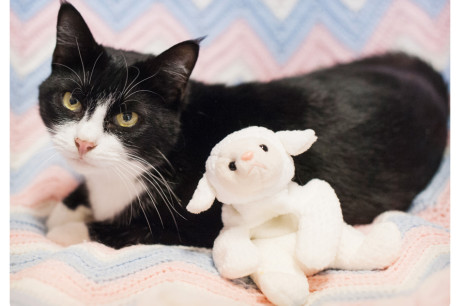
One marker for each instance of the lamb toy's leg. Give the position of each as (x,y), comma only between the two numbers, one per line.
(279,275)
(376,250)
(320,225)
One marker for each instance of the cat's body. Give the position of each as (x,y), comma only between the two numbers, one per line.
(381,124)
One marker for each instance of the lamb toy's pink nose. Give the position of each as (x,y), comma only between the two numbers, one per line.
(84,146)
(247,156)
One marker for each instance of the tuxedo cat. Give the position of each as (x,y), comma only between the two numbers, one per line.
(139,131)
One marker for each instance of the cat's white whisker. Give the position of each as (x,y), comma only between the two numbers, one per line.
(91,90)
(47,148)
(144,173)
(134,80)
(153,181)
(147,219)
(149,194)
(145,90)
(129,167)
(168,202)
(59,143)
(70,79)
(130,145)
(165,158)
(43,162)
(140,82)
(150,166)
(119,173)
(178,76)
(82,63)
(160,192)
(65,66)
(141,206)
(75,89)
(131,100)
(127,74)
(92,70)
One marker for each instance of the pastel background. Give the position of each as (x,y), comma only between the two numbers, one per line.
(246,40)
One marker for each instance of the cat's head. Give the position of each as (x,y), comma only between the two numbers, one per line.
(104,107)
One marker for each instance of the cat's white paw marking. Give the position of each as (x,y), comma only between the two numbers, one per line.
(61,215)
(69,233)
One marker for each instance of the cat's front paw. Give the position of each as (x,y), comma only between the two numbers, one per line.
(61,215)
(69,233)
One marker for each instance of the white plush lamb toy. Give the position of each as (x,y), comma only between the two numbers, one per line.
(275,230)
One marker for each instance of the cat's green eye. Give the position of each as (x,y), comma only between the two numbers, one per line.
(127,119)
(70,102)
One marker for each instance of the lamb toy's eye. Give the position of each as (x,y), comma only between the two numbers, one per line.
(264,147)
(232,166)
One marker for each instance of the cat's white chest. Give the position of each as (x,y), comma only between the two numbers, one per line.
(110,193)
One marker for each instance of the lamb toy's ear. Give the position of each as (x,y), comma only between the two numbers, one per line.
(202,198)
(297,142)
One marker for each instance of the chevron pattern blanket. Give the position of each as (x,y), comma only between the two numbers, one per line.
(246,40)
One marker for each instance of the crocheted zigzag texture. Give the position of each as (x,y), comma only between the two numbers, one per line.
(246,40)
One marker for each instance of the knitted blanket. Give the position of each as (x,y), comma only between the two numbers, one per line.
(247,40)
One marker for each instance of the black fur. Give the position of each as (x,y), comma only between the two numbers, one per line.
(78,197)
(381,123)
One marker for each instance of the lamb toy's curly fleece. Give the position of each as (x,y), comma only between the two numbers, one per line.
(275,230)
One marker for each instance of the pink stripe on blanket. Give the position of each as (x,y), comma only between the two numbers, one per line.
(53,184)
(321,45)
(25,129)
(416,243)
(100,30)
(157,19)
(440,213)
(431,292)
(59,275)
(29,36)
(162,26)
(404,20)
(21,237)
(67,280)
(246,47)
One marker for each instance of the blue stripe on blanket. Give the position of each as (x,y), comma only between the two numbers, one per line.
(42,159)
(24,89)
(407,222)
(379,293)
(429,196)
(118,265)
(27,222)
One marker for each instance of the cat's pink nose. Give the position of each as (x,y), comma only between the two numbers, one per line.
(247,156)
(84,146)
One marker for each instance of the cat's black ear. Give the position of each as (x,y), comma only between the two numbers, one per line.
(174,67)
(74,41)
